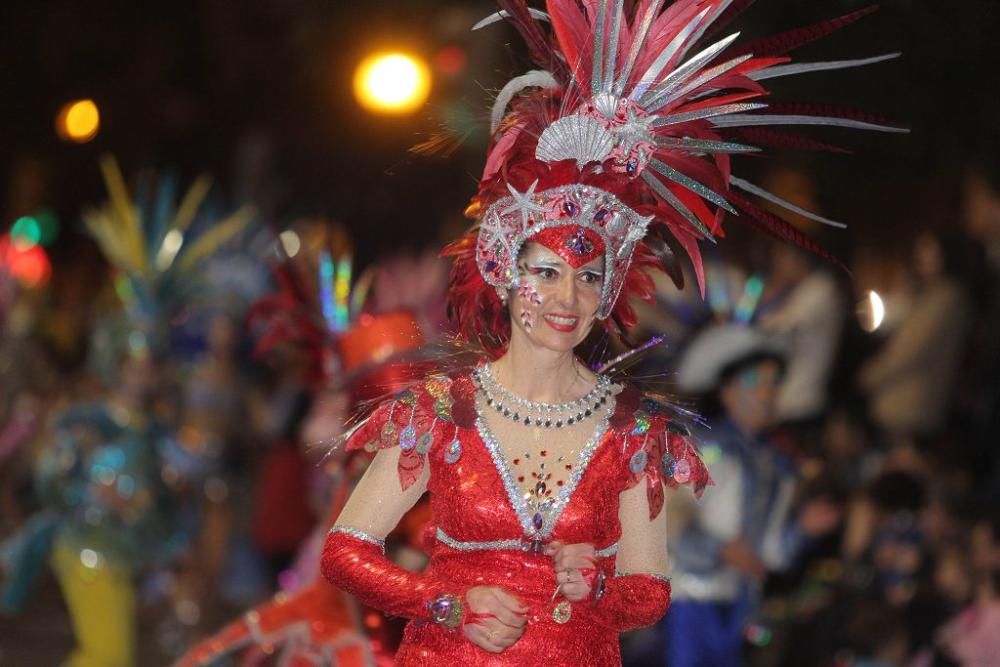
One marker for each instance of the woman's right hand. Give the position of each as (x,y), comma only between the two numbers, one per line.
(495,619)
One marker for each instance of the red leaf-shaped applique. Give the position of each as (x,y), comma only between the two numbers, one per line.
(654,494)
(411,464)
(655,447)
(463,410)
(689,469)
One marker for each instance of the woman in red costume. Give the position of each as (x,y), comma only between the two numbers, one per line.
(546,479)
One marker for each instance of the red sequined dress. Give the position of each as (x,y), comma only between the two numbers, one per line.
(435,436)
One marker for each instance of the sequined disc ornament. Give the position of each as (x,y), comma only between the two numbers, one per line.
(562,612)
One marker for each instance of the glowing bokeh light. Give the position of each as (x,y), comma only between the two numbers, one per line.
(172,242)
(90,558)
(29,265)
(871,312)
(78,121)
(392,83)
(26,232)
(450,60)
(48,225)
(290,242)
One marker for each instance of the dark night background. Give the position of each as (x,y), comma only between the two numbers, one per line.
(192,86)
(258,94)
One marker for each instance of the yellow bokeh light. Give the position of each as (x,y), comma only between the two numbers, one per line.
(78,121)
(392,83)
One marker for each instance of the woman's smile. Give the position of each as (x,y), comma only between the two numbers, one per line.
(561,323)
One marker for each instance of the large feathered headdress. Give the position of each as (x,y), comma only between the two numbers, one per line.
(621,147)
(158,257)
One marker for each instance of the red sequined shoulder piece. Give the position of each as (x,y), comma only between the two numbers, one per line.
(656,450)
(417,420)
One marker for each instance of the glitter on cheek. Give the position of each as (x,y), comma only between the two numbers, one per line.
(530,298)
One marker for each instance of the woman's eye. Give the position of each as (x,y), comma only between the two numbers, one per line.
(545,273)
(591,278)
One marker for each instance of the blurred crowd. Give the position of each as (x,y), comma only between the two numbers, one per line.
(884,408)
(873,392)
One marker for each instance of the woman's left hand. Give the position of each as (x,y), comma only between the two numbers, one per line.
(573,563)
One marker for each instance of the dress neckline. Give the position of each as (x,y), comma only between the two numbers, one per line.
(540,525)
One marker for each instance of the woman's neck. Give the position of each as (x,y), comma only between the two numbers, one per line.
(542,375)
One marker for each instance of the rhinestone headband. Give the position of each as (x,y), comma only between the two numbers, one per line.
(511,221)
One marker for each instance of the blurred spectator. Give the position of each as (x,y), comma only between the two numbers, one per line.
(908,381)
(875,637)
(746,525)
(982,224)
(848,451)
(803,307)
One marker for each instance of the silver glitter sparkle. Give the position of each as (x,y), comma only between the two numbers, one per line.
(704,145)
(359,534)
(577,137)
(661,189)
(612,47)
(702,79)
(727,110)
(638,41)
(803,68)
(523,203)
(655,69)
(694,186)
(514,544)
(748,120)
(672,81)
(654,575)
(787,205)
(597,55)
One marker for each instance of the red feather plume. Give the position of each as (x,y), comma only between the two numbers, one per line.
(787,41)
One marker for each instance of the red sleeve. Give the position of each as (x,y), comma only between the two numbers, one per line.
(359,567)
(632,601)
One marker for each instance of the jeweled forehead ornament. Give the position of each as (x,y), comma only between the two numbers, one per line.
(514,220)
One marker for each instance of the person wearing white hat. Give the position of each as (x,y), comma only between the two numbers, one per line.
(745,525)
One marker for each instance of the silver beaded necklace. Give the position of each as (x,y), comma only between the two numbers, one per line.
(544,415)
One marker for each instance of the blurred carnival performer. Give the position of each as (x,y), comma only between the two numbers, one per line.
(360,338)
(546,478)
(745,526)
(109,514)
